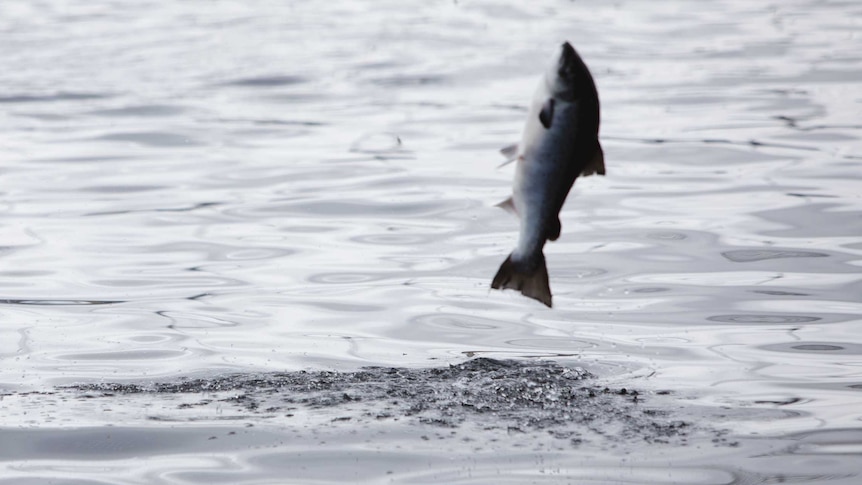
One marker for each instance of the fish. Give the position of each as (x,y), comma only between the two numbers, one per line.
(559,143)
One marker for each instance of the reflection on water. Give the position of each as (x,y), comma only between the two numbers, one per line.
(264,187)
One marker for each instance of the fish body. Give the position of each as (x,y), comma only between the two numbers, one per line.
(559,143)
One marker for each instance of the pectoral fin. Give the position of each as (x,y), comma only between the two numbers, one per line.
(511,154)
(546,116)
(596,165)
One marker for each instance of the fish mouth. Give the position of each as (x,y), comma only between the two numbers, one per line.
(568,73)
(568,59)
(568,66)
(568,53)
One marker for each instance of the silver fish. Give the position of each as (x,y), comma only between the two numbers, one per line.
(559,143)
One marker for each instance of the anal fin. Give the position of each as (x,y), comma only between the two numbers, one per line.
(508,205)
(554,230)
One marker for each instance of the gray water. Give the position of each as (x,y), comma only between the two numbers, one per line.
(199,189)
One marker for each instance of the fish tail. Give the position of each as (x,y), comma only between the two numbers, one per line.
(530,277)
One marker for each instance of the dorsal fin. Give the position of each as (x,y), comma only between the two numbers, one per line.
(596,165)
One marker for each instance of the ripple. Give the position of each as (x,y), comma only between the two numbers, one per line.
(763,318)
(652,289)
(579,272)
(195,320)
(344,278)
(817,347)
(191,208)
(667,236)
(145,110)
(121,355)
(750,255)
(116,443)
(831,348)
(47,98)
(394,239)
(150,339)
(779,293)
(152,138)
(273,81)
(567,344)
(344,307)
(813,221)
(271,122)
(830,442)
(362,208)
(377,143)
(293,99)
(457,321)
(193,279)
(208,251)
(400,80)
(121,189)
(37,302)
(89,159)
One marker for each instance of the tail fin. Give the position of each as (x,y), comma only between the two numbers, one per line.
(530,279)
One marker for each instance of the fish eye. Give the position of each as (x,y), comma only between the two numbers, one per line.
(566,73)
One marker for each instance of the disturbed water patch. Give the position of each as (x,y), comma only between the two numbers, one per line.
(523,397)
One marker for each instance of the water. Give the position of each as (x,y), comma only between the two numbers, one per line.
(213,188)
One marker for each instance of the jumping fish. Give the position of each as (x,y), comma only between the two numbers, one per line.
(559,143)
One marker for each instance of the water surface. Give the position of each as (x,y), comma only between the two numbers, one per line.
(213,188)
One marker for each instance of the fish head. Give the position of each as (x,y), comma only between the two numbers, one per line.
(568,77)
